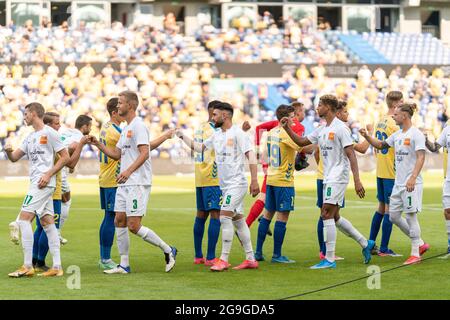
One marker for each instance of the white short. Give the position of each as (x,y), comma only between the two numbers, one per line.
(233,199)
(334,193)
(65,187)
(39,201)
(446,195)
(404,201)
(132,200)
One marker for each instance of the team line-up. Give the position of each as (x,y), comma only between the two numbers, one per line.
(221,151)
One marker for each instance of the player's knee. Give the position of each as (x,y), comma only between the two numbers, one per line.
(381,208)
(283,216)
(133,226)
(394,217)
(447,214)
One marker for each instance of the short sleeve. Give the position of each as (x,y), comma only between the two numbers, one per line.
(390,140)
(314,136)
(56,141)
(141,135)
(243,141)
(24,146)
(120,142)
(209,143)
(345,137)
(442,140)
(419,140)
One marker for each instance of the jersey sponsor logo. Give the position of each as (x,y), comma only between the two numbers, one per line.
(407,142)
(43,140)
(230,142)
(331,136)
(129,134)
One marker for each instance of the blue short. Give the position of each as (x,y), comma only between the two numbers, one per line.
(208,198)
(279,199)
(384,189)
(107,198)
(319,202)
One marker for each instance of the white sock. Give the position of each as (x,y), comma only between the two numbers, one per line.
(226,225)
(53,244)
(65,206)
(150,236)
(244,234)
(123,244)
(329,236)
(397,219)
(27,242)
(448,231)
(349,230)
(414,233)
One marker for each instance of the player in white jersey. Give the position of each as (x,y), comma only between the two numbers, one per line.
(40,147)
(231,146)
(336,148)
(135,180)
(71,139)
(444,141)
(409,147)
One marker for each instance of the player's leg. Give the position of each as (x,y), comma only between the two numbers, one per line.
(396,209)
(377,218)
(65,208)
(387,224)
(285,197)
(199,225)
(446,205)
(215,197)
(107,228)
(329,233)
(258,206)
(447,222)
(319,203)
(244,235)
(264,222)
(24,222)
(43,240)
(136,208)
(36,236)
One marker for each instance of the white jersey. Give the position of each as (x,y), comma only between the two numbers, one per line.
(230,148)
(444,141)
(132,136)
(332,140)
(68,137)
(40,148)
(405,145)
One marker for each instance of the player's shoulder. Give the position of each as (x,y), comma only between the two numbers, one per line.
(416,132)
(49,130)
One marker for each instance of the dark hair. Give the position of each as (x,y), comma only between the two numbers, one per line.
(36,107)
(393,97)
(48,117)
(131,98)
(284,110)
(213,104)
(82,120)
(341,105)
(111,105)
(409,108)
(297,104)
(224,106)
(330,101)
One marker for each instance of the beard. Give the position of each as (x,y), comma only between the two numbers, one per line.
(218,124)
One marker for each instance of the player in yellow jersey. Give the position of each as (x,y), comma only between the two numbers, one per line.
(385,176)
(208,193)
(109,169)
(280,191)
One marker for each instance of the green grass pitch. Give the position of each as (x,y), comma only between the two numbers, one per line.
(171,212)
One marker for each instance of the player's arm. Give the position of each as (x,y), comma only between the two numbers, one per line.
(309,149)
(158,141)
(433,147)
(300,141)
(144,154)
(350,152)
(363,146)
(62,161)
(195,146)
(252,163)
(114,153)
(377,144)
(75,152)
(420,160)
(15,155)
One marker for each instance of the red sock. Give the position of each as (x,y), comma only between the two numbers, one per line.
(255,211)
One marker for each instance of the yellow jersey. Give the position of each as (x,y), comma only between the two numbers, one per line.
(205,164)
(445,154)
(320,167)
(109,168)
(57,194)
(385,158)
(281,151)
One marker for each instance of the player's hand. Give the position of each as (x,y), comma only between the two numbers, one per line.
(93,141)
(363,132)
(8,147)
(246,126)
(85,140)
(284,122)
(369,129)
(411,184)
(44,180)
(169,133)
(123,177)
(254,188)
(360,189)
